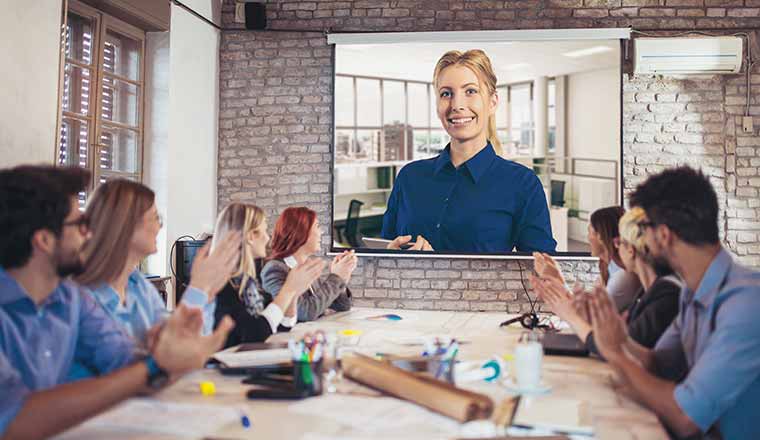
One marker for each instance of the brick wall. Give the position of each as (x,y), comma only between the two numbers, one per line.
(275,125)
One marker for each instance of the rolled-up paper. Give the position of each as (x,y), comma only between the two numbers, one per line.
(431,393)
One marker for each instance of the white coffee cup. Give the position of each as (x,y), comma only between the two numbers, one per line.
(529,354)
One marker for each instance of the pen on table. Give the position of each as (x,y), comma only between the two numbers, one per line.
(244,420)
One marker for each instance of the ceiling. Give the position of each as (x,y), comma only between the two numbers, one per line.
(512,61)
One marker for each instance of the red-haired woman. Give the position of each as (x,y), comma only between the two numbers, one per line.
(296,237)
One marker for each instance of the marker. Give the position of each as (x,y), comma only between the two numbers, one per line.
(244,420)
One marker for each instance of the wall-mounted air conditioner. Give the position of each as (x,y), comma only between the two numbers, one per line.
(680,56)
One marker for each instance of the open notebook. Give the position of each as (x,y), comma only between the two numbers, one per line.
(555,414)
(254,355)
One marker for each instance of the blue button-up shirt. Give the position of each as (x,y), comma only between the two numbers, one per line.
(715,340)
(38,344)
(487,205)
(142,309)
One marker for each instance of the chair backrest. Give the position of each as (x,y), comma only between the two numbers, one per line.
(558,193)
(352,222)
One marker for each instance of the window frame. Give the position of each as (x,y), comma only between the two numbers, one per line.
(102,23)
(355,128)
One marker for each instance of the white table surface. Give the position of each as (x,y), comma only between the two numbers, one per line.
(613,415)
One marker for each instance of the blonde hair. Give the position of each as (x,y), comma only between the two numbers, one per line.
(241,217)
(477,61)
(630,229)
(114,211)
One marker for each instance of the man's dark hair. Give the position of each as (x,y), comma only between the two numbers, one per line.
(34,198)
(684,200)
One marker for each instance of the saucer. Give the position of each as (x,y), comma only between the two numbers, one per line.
(542,388)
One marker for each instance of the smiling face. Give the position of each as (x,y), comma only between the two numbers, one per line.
(464,105)
(146,231)
(67,255)
(314,242)
(258,240)
(595,243)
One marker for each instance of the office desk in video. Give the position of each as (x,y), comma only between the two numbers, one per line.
(360,414)
(370,222)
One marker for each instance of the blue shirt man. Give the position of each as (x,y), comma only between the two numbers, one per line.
(39,344)
(716,339)
(486,205)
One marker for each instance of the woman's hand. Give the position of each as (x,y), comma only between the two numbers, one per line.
(581,302)
(610,332)
(547,267)
(556,296)
(178,346)
(302,276)
(420,245)
(212,270)
(344,264)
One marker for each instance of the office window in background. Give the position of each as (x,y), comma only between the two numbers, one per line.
(552,115)
(385,120)
(520,111)
(100,119)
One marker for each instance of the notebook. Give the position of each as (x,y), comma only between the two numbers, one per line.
(563,416)
(254,355)
(560,344)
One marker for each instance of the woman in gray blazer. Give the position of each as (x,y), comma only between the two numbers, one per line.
(296,237)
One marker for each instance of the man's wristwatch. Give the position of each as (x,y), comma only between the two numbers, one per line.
(157,376)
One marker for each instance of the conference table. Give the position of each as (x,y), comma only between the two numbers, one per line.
(359,413)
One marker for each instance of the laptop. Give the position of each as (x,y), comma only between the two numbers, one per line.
(563,344)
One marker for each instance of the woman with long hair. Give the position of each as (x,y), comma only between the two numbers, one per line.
(468,198)
(124,223)
(256,313)
(297,236)
(603,230)
(654,307)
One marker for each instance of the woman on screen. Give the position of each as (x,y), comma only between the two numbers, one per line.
(468,198)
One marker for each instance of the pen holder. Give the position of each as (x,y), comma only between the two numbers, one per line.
(307,377)
(433,366)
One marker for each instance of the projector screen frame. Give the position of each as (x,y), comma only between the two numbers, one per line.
(620,34)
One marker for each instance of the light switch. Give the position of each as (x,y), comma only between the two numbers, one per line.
(747,126)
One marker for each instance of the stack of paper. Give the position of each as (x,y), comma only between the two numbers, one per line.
(157,417)
(553,414)
(236,357)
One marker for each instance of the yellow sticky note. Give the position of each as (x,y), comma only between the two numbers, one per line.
(208,388)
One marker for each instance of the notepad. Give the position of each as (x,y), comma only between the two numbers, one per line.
(159,417)
(241,357)
(552,413)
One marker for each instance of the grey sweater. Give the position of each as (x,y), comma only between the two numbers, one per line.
(328,291)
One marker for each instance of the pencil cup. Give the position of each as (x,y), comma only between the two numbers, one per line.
(442,368)
(308,377)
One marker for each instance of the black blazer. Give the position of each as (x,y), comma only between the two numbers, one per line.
(651,313)
(248,328)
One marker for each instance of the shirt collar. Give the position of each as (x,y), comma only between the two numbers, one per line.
(11,291)
(108,296)
(713,279)
(477,165)
(290,261)
(613,268)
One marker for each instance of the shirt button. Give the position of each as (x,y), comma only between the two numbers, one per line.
(48,353)
(438,226)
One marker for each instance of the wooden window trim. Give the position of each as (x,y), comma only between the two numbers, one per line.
(102,23)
